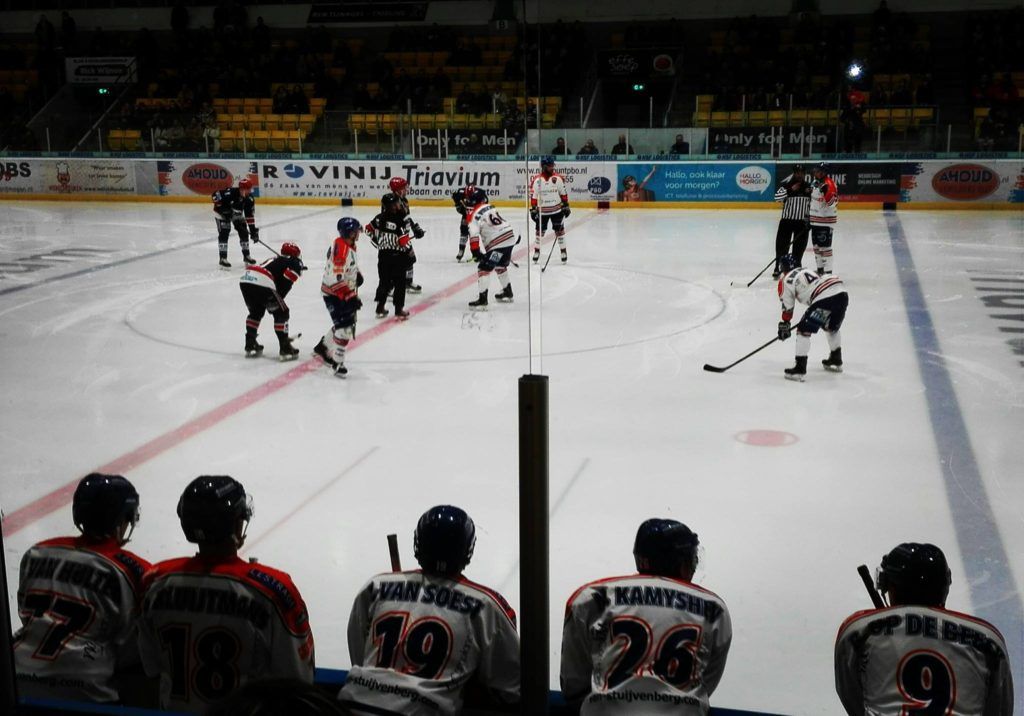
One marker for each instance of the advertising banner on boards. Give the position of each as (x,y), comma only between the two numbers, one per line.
(963,182)
(192,177)
(696,181)
(857,181)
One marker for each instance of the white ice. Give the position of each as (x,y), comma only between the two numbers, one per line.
(97,365)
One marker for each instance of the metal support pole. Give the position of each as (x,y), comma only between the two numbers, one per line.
(152,140)
(8,681)
(355,141)
(206,141)
(650,120)
(48,139)
(949,137)
(245,145)
(439,144)
(447,144)
(1020,140)
(99,138)
(878,140)
(627,141)
(581,112)
(300,140)
(534,582)
(504,141)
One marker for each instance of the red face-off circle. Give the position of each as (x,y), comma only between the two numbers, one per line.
(766,438)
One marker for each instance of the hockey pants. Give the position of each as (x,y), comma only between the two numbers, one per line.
(224,233)
(821,237)
(391,268)
(797,229)
(260,301)
(827,314)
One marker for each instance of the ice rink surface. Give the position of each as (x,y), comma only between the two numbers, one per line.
(128,358)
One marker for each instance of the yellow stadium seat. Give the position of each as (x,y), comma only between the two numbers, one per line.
(372,124)
(701,119)
(266,105)
(234,105)
(449,105)
(115,140)
(254,122)
(259,141)
(220,104)
(295,140)
(758,118)
(306,122)
(776,117)
(223,119)
(737,119)
(388,122)
(229,139)
(923,115)
(798,117)
(271,122)
(817,118)
(238,122)
(423,121)
(719,119)
(493,121)
(357,122)
(441,121)
(460,121)
(289,121)
(278,140)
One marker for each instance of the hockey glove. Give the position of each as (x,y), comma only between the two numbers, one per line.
(566,210)
(418,231)
(785,330)
(534,214)
(355,303)
(477,256)
(359,279)
(254,234)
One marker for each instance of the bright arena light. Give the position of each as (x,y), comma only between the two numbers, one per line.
(854,71)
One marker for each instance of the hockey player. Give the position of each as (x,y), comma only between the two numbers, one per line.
(213,622)
(459,197)
(915,656)
(389,234)
(487,228)
(652,638)
(549,202)
(794,193)
(399,186)
(824,214)
(78,599)
(826,302)
(264,288)
(236,205)
(340,288)
(417,638)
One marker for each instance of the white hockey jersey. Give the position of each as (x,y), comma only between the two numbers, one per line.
(824,203)
(417,639)
(487,226)
(643,644)
(78,602)
(210,625)
(807,287)
(548,193)
(341,272)
(915,659)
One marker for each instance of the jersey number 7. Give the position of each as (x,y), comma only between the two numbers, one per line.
(69,616)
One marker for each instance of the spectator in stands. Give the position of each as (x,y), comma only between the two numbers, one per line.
(297,100)
(588,148)
(68,29)
(622,147)
(987,134)
(464,101)
(924,94)
(560,150)
(260,35)
(179,18)
(853,128)
(880,17)
(901,95)
(360,98)
(45,33)
(681,146)
(280,102)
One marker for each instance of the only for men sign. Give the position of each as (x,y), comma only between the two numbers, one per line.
(100,70)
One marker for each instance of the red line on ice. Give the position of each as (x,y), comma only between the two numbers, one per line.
(53,501)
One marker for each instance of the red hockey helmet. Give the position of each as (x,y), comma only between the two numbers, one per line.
(290,249)
(245,183)
(398,184)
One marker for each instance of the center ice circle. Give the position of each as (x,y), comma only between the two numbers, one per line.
(576,309)
(766,438)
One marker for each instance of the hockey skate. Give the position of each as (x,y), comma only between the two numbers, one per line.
(401,314)
(411,287)
(288,351)
(320,350)
(480,303)
(834,362)
(536,254)
(252,348)
(381,311)
(462,252)
(565,256)
(798,371)
(249,260)
(340,371)
(225,264)
(505,296)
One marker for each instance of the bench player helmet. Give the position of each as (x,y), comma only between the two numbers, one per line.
(547,161)
(398,184)
(245,183)
(290,249)
(349,227)
(915,573)
(444,540)
(211,507)
(103,504)
(663,547)
(787,262)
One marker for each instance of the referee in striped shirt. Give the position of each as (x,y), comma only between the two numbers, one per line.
(795,196)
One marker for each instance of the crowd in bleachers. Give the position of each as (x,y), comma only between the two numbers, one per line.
(995,63)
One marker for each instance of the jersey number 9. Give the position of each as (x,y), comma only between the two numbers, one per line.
(927,683)
(421,649)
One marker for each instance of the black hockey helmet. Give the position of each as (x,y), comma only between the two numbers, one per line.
(799,170)
(787,262)
(820,167)
(390,202)
(103,504)
(444,540)
(664,546)
(210,508)
(914,573)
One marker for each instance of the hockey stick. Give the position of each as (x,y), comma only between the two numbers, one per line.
(733,283)
(551,252)
(869,585)
(396,559)
(716,369)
